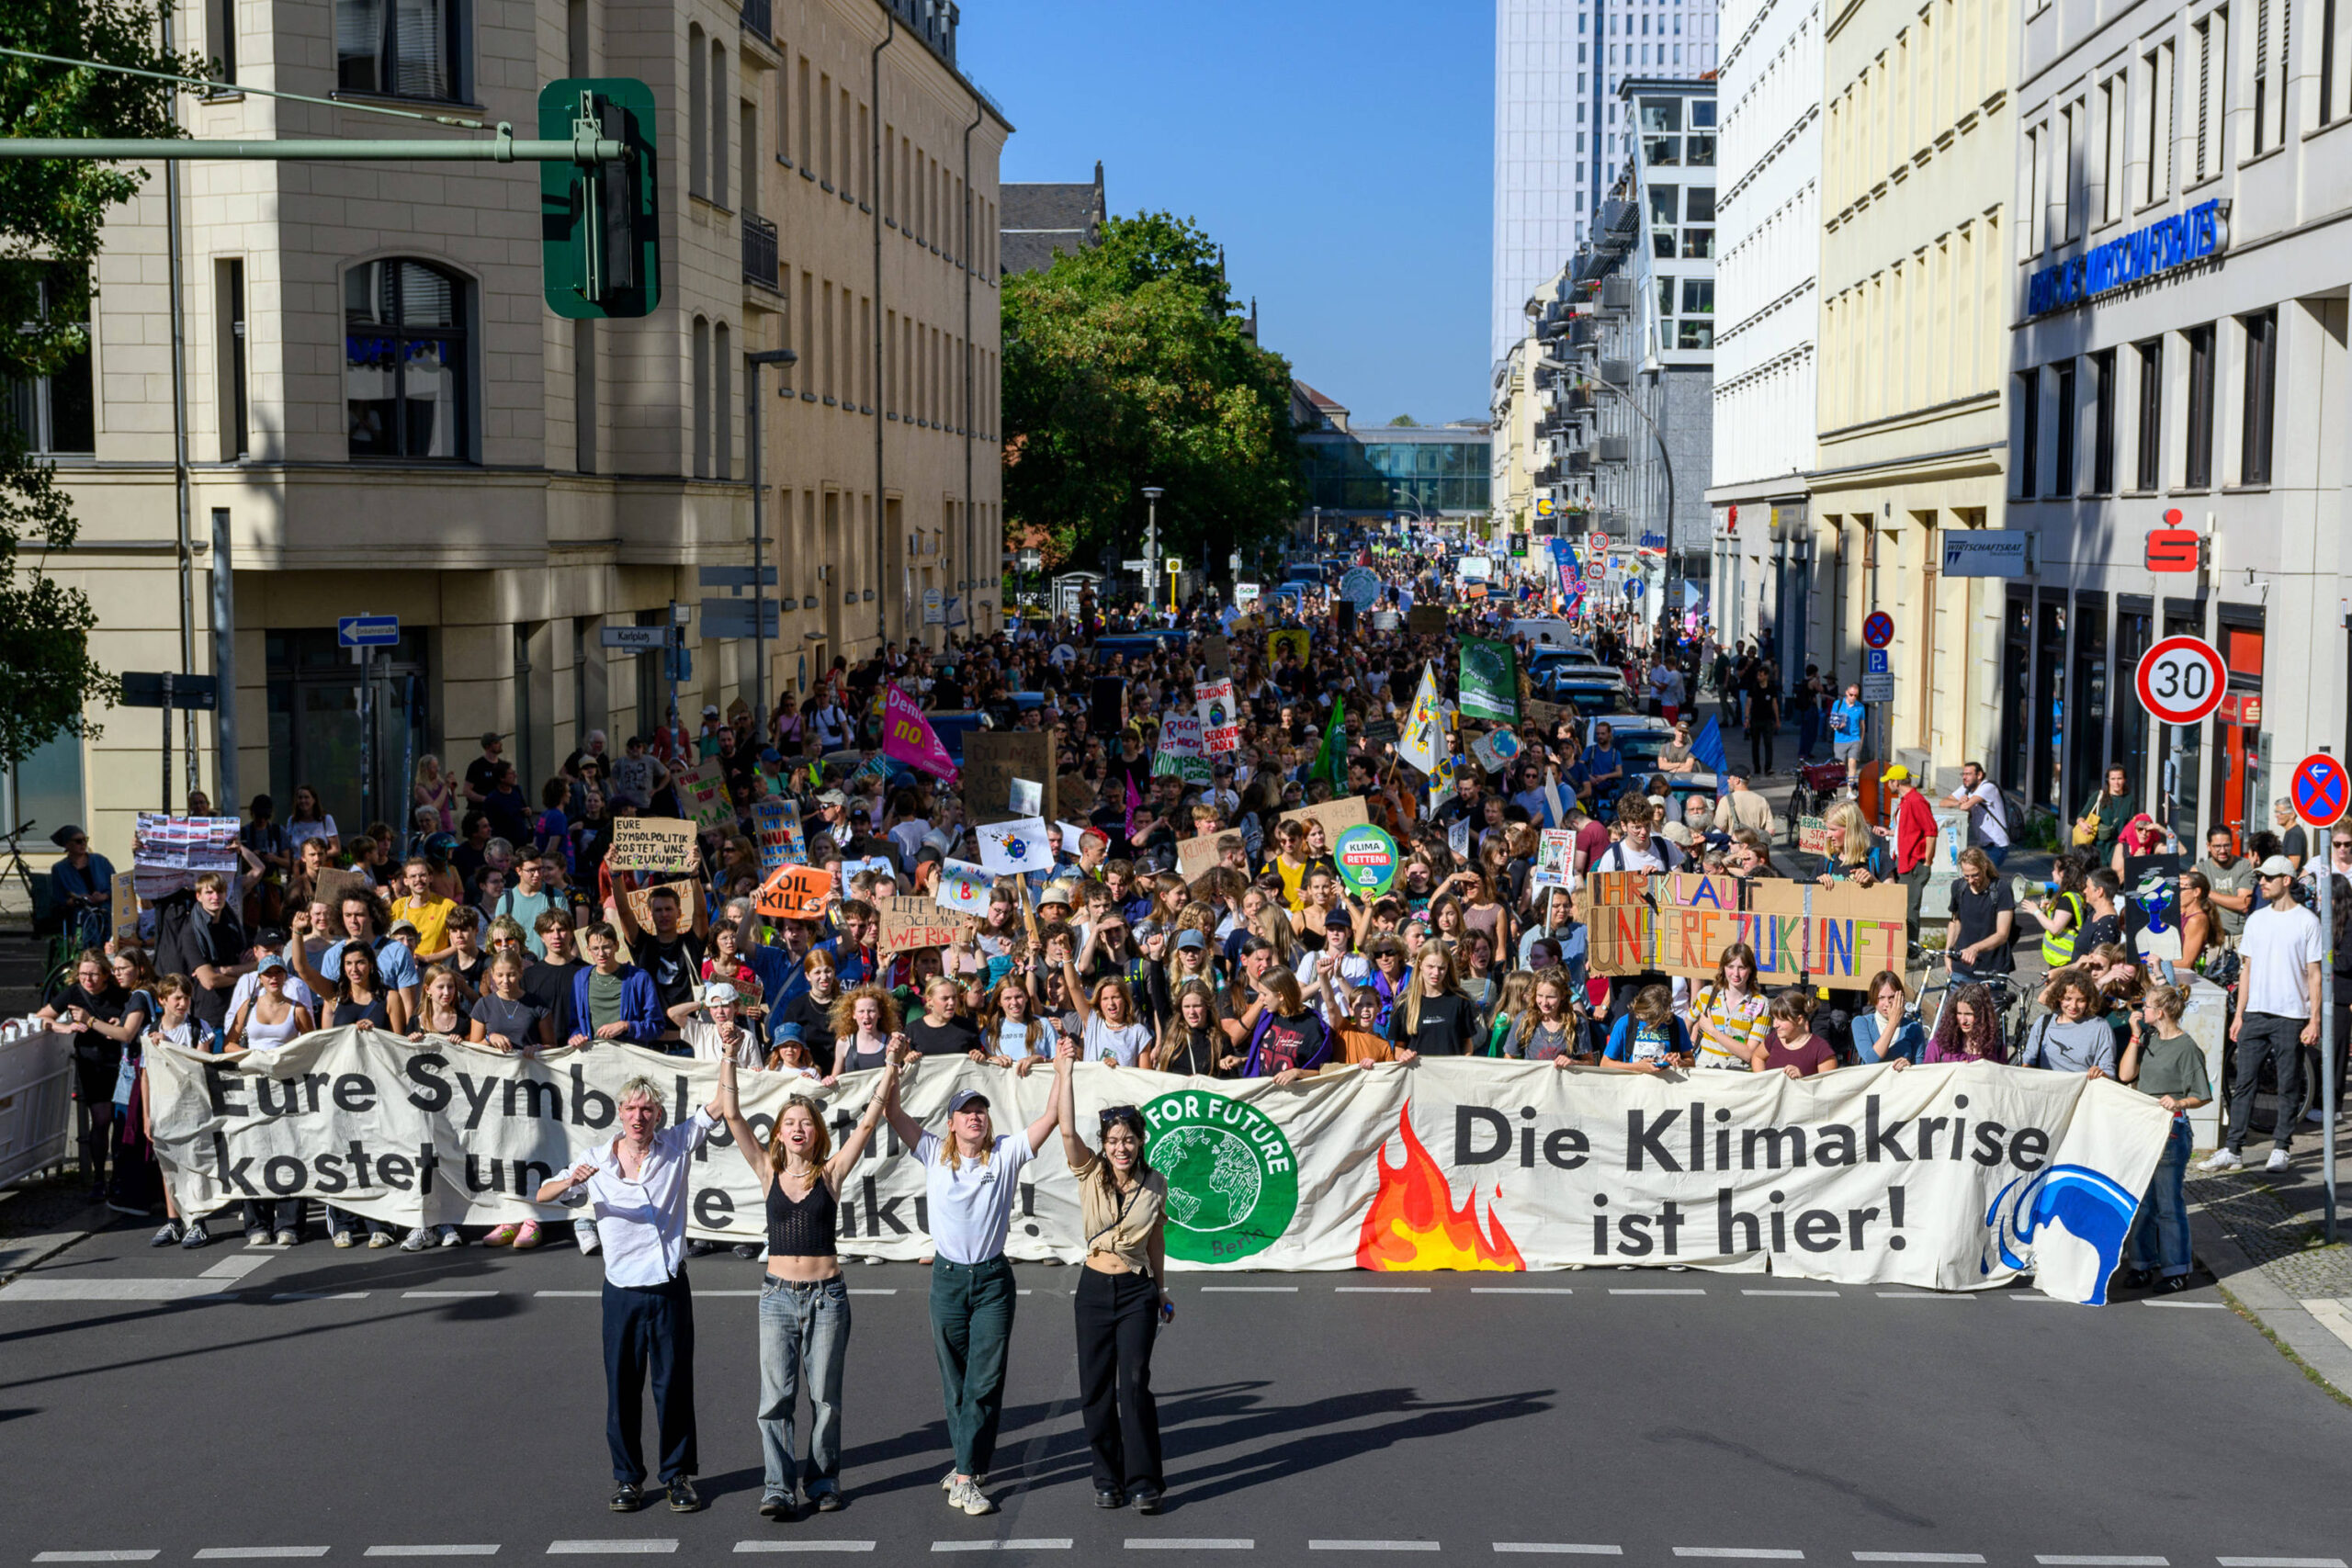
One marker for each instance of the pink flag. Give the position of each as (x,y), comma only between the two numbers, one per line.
(1134,800)
(908,736)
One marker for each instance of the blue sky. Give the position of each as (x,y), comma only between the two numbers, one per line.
(1343,154)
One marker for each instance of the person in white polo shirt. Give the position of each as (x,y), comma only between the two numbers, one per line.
(973,1178)
(636,1187)
(2277,1011)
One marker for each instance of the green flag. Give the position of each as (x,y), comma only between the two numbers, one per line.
(1332,757)
(1489,680)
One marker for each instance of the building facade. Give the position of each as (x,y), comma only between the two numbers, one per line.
(384,417)
(2178,288)
(1558,65)
(1767,299)
(1043,219)
(1387,472)
(1913,284)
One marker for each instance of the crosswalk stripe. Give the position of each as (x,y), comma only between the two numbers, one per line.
(138,1556)
(431,1551)
(245,1554)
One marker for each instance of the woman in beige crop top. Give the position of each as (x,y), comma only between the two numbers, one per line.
(1121,1297)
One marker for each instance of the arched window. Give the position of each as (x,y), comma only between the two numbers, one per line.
(701,469)
(406,369)
(698,113)
(722,418)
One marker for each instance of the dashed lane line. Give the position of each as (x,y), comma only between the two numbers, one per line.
(1191,1543)
(1924,1296)
(1753,1293)
(1745,1554)
(805,1543)
(1656,1291)
(1249,1290)
(2281,1562)
(1016,1543)
(445,1295)
(251,1553)
(96,1556)
(2102,1562)
(1380,1290)
(2192,1306)
(236,1267)
(37,1289)
(1522,1291)
(582,1293)
(1371,1546)
(651,1545)
(431,1551)
(319,1296)
(1918,1557)
(1561,1548)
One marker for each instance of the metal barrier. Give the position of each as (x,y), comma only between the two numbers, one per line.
(36,1098)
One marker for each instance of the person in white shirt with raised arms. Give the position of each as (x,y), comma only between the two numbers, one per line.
(636,1189)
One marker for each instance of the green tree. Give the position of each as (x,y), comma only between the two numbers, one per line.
(1124,365)
(1402,421)
(51,213)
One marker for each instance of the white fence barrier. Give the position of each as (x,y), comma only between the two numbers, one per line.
(36,1098)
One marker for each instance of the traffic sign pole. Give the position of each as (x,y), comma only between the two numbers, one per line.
(2322,790)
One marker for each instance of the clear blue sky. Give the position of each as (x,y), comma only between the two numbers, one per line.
(1344,155)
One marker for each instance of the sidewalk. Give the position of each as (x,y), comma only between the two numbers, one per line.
(2261,1236)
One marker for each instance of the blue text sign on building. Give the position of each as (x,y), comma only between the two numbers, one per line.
(2174,242)
(367,631)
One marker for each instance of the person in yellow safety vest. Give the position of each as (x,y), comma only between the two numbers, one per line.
(2063,912)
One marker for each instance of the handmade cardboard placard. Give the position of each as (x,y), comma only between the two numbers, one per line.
(1196,856)
(1217,656)
(993,758)
(910,923)
(126,906)
(689,892)
(651,843)
(332,883)
(1618,921)
(1336,815)
(1697,918)
(1814,837)
(794,892)
(780,840)
(1425,618)
(702,795)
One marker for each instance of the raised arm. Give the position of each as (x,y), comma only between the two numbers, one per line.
(1074,1148)
(852,1147)
(909,1129)
(1036,1131)
(730,1110)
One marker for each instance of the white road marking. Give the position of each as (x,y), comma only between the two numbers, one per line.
(2038,1296)
(1371,1546)
(2281,1562)
(1018,1544)
(1191,1543)
(1656,1290)
(44,1289)
(2331,1316)
(445,1295)
(1520,1291)
(242,1553)
(1252,1289)
(1925,1296)
(1563,1548)
(1918,1557)
(804,1544)
(2202,1306)
(596,1548)
(2102,1562)
(1380,1290)
(1777,1553)
(727,1292)
(236,1267)
(583,1293)
(320,1296)
(1788,1293)
(872,1291)
(94,1556)
(431,1551)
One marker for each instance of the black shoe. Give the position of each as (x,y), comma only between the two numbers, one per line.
(827,1501)
(683,1498)
(1146,1500)
(1110,1498)
(701,1249)
(2138,1279)
(779,1506)
(2174,1285)
(747,1251)
(628,1498)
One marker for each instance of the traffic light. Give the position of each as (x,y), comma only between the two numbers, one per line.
(600,237)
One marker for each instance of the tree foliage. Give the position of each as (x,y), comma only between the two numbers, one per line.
(53,212)
(1125,366)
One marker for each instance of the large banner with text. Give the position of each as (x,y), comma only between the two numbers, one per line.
(1942,1177)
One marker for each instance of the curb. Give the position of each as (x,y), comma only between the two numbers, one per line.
(19,1257)
(2246,1286)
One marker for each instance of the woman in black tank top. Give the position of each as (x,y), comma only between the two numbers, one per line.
(804,1304)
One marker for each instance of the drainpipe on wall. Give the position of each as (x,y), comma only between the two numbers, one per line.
(971,409)
(881,504)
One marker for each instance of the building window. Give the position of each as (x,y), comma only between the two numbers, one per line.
(1663,208)
(719,98)
(2155,134)
(2261,382)
(1698,295)
(57,413)
(221,32)
(2103,424)
(45,789)
(697,114)
(2213,90)
(404,360)
(1694,334)
(2062,458)
(702,398)
(228,319)
(2197,464)
(399,48)
(722,404)
(2148,463)
(2028,429)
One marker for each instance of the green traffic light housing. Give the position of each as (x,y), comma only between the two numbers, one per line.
(600,236)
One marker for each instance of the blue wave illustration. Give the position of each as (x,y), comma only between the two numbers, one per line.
(2093,1207)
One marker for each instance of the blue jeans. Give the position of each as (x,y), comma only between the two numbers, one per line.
(2160,1231)
(804,1335)
(1997,853)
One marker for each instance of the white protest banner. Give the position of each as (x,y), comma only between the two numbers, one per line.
(1184,750)
(1069,833)
(168,853)
(651,843)
(1554,858)
(964,887)
(1027,797)
(880,865)
(1220,717)
(1939,1178)
(780,840)
(1009,848)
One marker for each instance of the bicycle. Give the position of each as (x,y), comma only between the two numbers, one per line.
(2009,1008)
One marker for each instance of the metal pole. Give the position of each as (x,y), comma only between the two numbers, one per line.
(224,664)
(881,504)
(759,558)
(672,646)
(183,540)
(2327,1034)
(168,743)
(502,149)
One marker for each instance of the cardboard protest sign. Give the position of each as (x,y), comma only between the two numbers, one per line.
(794,892)
(1698,917)
(1814,837)
(1853,932)
(690,903)
(1618,922)
(1220,715)
(332,883)
(651,843)
(126,906)
(1425,618)
(1196,856)
(1182,751)
(781,842)
(1336,815)
(1544,718)
(702,795)
(1217,656)
(993,758)
(909,924)
(1294,639)
(966,888)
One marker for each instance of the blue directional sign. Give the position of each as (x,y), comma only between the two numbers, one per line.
(1633,588)
(2321,790)
(367,631)
(1874,661)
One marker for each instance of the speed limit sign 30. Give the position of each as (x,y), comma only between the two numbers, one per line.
(2181,680)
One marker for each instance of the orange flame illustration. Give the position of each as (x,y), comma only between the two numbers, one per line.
(1413,1226)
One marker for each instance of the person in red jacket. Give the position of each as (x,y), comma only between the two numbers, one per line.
(1915,840)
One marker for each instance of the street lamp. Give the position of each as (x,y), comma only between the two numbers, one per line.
(1152,495)
(759,538)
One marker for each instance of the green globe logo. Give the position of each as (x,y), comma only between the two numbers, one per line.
(1232,1178)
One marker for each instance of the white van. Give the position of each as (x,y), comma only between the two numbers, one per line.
(1547,633)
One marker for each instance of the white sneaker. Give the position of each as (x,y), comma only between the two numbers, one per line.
(972,1500)
(2222,1159)
(2277,1162)
(590,1243)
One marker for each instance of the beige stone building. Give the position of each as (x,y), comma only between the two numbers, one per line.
(508,482)
(1916,170)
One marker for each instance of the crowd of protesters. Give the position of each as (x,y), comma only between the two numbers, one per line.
(488,918)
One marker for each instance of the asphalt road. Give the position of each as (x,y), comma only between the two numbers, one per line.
(312,1403)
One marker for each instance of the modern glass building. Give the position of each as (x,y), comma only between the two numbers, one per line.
(1434,470)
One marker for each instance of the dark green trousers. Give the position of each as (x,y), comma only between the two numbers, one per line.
(971,1326)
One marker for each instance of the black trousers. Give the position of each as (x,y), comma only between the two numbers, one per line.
(1759,749)
(1118,1316)
(650,1331)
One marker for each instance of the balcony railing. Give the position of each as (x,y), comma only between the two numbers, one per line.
(759,252)
(758,18)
